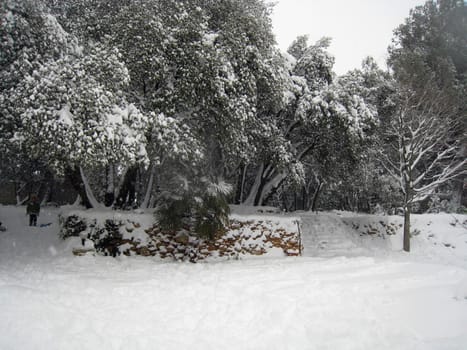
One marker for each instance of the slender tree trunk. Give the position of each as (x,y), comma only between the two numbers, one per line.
(238,199)
(242,185)
(250,200)
(119,186)
(304,197)
(18,191)
(147,196)
(407,211)
(314,202)
(87,187)
(407,202)
(110,191)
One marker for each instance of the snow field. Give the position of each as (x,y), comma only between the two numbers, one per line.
(51,299)
(359,303)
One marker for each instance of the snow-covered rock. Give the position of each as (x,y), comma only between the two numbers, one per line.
(130,233)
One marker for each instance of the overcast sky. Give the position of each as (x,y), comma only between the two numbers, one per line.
(358,28)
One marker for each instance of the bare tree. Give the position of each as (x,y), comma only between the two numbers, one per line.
(423,146)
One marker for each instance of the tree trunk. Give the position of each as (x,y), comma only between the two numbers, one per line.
(127,194)
(148,195)
(270,187)
(269,178)
(241,173)
(304,198)
(260,189)
(250,200)
(407,228)
(266,182)
(73,175)
(18,191)
(242,188)
(110,191)
(314,202)
(87,188)
(239,194)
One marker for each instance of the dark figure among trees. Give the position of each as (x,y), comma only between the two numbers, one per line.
(33,209)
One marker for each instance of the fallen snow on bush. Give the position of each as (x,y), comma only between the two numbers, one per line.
(380,299)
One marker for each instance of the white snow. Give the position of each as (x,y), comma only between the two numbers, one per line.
(367,296)
(65,117)
(210,38)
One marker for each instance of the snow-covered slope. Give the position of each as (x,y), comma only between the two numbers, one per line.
(382,299)
(435,237)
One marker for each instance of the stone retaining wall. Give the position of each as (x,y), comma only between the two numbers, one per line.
(127,234)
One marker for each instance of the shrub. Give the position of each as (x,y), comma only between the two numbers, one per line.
(202,209)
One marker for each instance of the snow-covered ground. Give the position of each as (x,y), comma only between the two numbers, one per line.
(348,291)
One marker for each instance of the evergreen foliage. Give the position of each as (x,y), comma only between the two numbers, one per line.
(201,207)
(140,102)
(425,144)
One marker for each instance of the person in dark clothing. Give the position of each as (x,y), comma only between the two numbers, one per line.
(33,209)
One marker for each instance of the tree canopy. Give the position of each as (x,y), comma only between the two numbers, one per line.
(140,103)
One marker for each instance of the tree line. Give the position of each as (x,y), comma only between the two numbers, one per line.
(189,105)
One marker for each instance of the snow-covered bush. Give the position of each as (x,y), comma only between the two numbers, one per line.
(107,239)
(71,226)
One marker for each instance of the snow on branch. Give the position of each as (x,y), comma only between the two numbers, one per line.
(422,146)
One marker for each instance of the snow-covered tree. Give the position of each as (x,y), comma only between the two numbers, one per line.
(138,93)
(74,114)
(422,150)
(431,44)
(321,120)
(28,37)
(429,48)
(206,66)
(359,182)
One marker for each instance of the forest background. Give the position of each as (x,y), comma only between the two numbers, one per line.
(187,106)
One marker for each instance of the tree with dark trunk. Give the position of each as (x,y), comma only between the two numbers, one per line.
(127,193)
(73,175)
(421,152)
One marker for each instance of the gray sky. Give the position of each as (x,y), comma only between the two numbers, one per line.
(358,28)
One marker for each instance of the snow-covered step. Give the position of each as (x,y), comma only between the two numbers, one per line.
(325,235)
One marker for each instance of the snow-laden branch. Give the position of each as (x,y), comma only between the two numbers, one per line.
(448,152)
(447,174)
